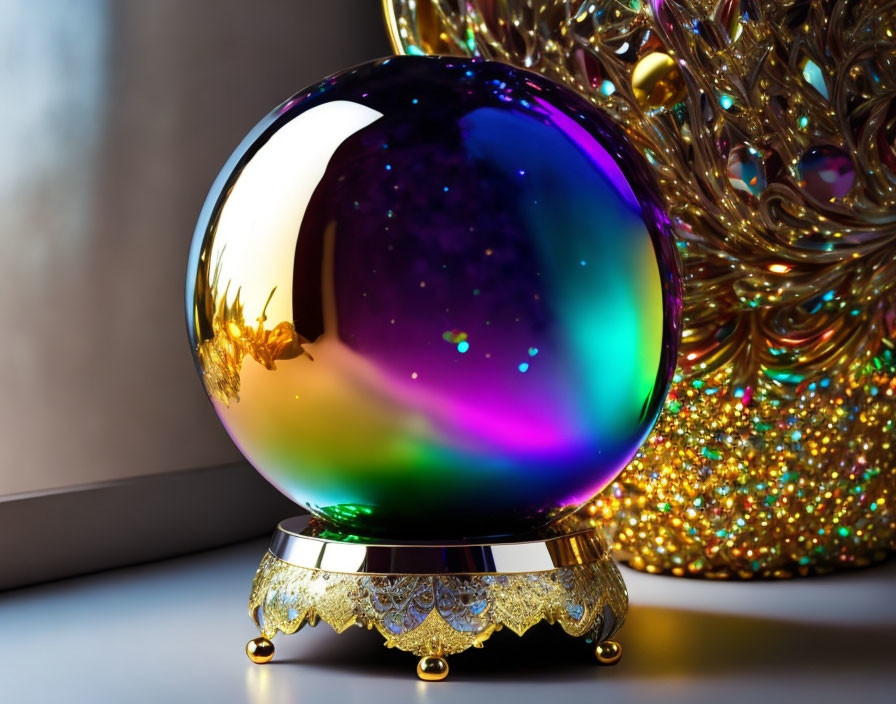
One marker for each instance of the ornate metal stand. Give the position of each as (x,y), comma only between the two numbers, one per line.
(436,600)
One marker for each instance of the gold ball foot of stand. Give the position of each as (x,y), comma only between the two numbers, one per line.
(608,652)
(260,650)
(436,600)
(432,668)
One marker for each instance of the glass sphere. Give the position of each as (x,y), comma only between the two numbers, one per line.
(435,298)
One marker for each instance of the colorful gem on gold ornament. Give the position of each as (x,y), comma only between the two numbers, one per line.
(657,81)
(429,32)
(720,487)
(746,170)
(886,142)
(814,76)
(826,172)
(726,101)
(588,68)
(435,295)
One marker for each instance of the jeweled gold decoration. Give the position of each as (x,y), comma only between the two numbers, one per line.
(433,615)
(437,600)
(771,127)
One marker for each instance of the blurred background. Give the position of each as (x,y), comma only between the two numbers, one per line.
(117,116)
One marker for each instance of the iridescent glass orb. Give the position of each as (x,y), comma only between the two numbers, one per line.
(435,298)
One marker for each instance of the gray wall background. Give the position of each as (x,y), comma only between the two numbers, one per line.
(116,117)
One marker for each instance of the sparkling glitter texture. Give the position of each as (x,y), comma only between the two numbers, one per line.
(435,298)
(771,127)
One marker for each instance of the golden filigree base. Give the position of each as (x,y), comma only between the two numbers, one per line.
(436,600)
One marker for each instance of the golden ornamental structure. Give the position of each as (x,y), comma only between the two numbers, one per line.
(771,127)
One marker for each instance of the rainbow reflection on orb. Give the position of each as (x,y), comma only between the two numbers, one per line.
(435,298)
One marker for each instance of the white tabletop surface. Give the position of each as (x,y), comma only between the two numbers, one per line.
(174,631)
